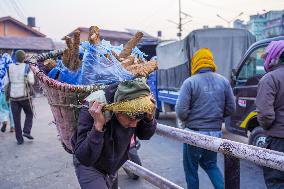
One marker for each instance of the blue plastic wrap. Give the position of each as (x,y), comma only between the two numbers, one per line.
(5,60)
(98,69)
(107,45)
(65,75)
(139,54)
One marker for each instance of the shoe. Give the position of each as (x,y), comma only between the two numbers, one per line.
(12,130)
(29,136)
(20,142)
(3,128)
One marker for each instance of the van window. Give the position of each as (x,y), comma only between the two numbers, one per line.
(253,66)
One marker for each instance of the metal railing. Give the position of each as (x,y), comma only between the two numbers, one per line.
(257,155)
(151,177)
(233,151)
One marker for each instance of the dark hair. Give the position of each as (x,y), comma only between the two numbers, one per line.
(281,58)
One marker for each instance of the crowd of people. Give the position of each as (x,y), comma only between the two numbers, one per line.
(101,140)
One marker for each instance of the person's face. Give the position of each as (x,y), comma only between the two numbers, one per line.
(126,121)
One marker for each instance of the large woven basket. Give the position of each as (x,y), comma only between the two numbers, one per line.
(64,99)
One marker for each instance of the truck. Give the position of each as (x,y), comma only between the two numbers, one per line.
(244,80)
(174,60)
(238,58)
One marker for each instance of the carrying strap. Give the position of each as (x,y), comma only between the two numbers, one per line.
(27,85)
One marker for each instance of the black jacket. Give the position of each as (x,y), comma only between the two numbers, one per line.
(270,102)
(106,151)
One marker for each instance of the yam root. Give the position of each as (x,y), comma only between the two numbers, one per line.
(94,35)
(128,61)
(143,69)
(49,64)
(70,55)
(130,45)
(76,63)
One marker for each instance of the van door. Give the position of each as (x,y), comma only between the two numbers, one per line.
(245,90)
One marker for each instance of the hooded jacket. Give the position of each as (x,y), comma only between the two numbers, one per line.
(204,100)
(107,151)
(270,103)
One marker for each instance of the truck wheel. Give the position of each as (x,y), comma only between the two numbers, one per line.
(257,137)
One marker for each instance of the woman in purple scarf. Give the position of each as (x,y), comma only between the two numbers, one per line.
(270,108)
(272,54)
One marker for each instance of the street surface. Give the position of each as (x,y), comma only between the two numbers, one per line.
(43,164)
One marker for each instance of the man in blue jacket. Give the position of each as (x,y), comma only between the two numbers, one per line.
(205,99)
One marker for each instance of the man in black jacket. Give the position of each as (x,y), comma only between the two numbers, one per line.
(100,144)
(270,108)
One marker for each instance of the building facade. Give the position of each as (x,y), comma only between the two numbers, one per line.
(266,25)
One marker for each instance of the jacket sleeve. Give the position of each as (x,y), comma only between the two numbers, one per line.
(182,107)
(230,104)
(89,142)
(145,130)
(264,102)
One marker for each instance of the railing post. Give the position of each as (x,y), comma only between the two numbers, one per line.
(231,172)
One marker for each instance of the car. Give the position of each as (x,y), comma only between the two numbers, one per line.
(245,79)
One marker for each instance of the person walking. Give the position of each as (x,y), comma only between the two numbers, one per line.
(20,79)
(5,110)
(270,108)
(205,99)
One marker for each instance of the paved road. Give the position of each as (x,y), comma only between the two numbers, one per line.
(43,163)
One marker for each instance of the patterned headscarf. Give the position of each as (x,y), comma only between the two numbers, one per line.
(203,58)
(272,54)
(5,60)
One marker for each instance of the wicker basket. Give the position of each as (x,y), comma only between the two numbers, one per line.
(64,99)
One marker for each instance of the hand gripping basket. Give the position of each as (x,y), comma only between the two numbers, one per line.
(64,99)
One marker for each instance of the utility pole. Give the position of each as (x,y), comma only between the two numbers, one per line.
(180,24)
(230,21)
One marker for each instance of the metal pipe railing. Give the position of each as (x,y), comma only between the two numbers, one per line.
(151,177)
(260,156)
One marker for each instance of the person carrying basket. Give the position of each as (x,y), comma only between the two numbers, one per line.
(101,141)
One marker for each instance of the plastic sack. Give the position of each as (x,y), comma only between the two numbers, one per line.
(107,45)
(5,60)
(63,74)
(98,69)
(138,54)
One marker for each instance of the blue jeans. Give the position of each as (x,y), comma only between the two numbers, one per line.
(194,156)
